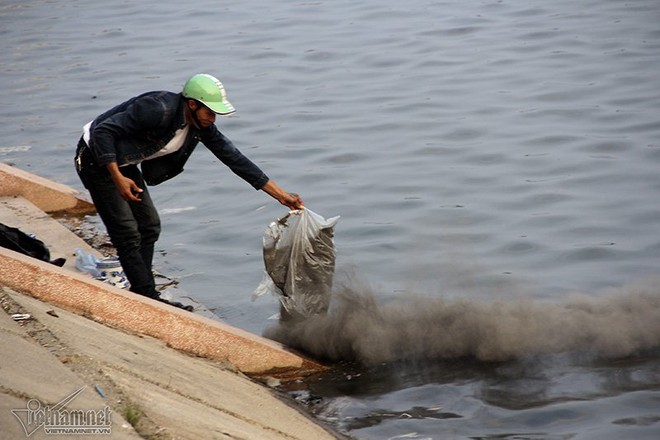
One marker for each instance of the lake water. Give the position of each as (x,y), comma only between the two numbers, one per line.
(494,163)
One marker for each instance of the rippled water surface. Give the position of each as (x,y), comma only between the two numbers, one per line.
(478,151)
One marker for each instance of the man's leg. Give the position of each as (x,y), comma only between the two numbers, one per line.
(123,221)
(144,212)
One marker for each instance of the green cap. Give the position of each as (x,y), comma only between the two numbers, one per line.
(209,91)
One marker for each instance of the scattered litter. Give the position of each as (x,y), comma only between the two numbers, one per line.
(112,272)
(52,313)
(87,263)
(98,390)
(108,270)
(21,316)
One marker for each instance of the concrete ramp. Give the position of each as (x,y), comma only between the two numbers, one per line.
(49,196)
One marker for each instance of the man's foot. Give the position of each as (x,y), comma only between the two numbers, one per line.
(176,304)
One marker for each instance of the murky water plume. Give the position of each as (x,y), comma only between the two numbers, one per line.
(360,327)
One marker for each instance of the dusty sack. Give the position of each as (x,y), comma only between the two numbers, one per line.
(299,258)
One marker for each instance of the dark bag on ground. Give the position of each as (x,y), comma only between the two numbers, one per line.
(18,241)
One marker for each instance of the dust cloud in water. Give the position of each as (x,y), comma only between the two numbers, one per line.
(361,328)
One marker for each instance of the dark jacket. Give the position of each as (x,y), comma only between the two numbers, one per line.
(139,127)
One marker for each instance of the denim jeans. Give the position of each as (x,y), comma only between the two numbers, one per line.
(133,227)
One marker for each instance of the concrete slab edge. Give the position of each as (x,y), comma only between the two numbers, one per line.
(49,196)
(185,331)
